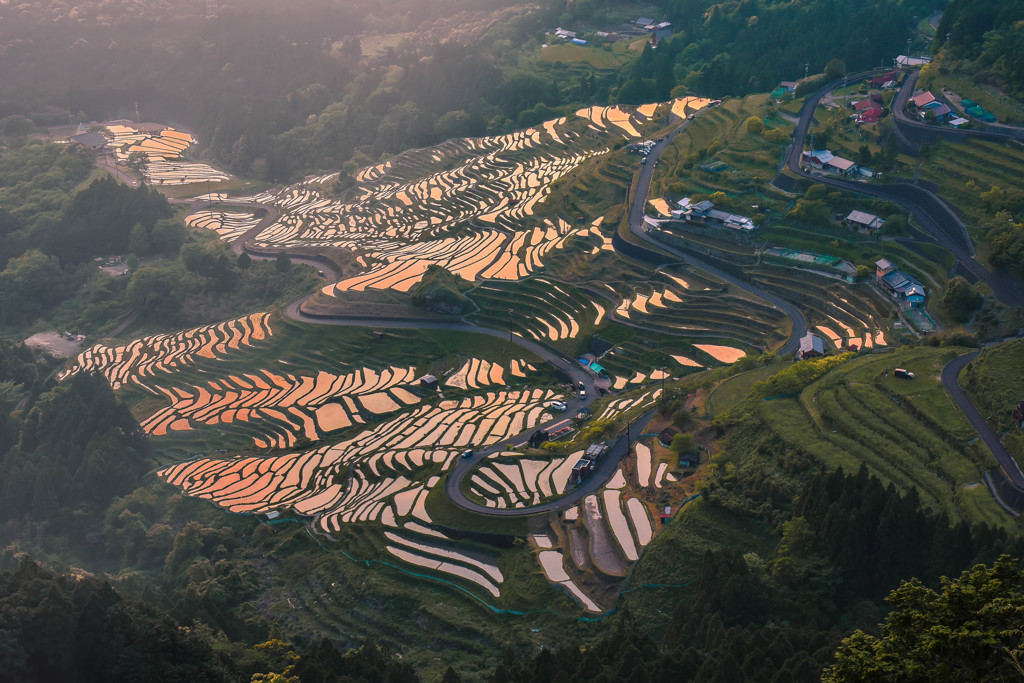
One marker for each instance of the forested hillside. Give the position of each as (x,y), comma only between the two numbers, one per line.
(276,92)
(989,35)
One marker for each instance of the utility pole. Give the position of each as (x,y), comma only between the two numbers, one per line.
(844,93)
(807,69)
(510,328)
(137,119)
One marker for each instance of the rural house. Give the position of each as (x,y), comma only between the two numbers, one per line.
(923,100)
(870,115)
(811,346)
(705,213)
(941,112)
(903,288)
(1018,415)
(882,80)
(825,161)
(865,222)
(94,141)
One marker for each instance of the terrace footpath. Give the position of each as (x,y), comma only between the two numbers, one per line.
(931,212)
(636,226)
(950,378)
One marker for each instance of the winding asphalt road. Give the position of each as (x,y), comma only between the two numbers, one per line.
(951,380)
(463,466)
(930,211)
(636,227)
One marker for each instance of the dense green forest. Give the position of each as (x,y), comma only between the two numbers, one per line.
(276,92)
(987,35)
(94,633)
(53,223)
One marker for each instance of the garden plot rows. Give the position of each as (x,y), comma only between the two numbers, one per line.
(229,225)
(283,407)
(163,353)
(844,315)
(163,151)
(852,412)
(373,477)
(542,309)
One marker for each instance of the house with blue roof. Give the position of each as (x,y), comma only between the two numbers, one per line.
(900,286)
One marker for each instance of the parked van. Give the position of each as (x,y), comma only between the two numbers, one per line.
(903,374)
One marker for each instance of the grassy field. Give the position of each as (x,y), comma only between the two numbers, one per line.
(612,57)
(909,433)
(720,134)
(736,388)
(995,384)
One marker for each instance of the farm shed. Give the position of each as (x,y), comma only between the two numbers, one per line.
(864,221)
(811,346)
(428,381)
(94,141)
(923,100)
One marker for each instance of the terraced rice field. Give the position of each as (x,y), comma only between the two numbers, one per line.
(618,525)
(684,106)
(477,373)
(842,314)
(505,480)
(541,308)
(163,150)
(281,407)
(369,476)
(229,225)
(166,353)
(622,405)
(421,195)
(691,304)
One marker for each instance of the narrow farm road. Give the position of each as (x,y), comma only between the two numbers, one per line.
(950,379)
(636,227)
(930,211)
(463,466)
